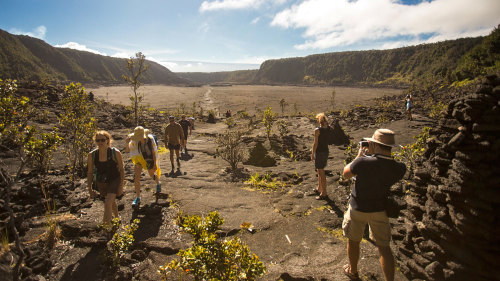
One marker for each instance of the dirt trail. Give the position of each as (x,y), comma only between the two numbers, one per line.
(208,103)
(296,235)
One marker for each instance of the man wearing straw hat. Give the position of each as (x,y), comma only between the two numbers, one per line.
(375,174)
(144,155)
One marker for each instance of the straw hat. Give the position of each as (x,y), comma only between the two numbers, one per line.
(138,134)
(384,137)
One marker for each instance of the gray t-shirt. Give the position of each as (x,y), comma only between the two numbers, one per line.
(374,177)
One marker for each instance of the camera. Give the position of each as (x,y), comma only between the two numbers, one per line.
(363,144)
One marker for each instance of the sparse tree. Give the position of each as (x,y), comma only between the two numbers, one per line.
(268,119)
(136,67)
(77,125)
(332,99)
(230,147)
(283,104)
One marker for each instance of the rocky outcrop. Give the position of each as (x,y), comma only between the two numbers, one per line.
(450,228)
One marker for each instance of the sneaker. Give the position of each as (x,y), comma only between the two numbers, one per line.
(137,202)
(158,188)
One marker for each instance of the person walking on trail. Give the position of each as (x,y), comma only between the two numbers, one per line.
(105,163)
(186,125)
(320,154)
(144,154)
(191,120)
(375,171)
(174,137)
(409,106)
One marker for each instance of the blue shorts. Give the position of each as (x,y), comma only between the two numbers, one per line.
(320,159)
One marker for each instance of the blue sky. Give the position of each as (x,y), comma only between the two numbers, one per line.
(225,35)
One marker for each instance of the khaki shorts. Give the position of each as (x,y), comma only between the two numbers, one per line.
(355,222)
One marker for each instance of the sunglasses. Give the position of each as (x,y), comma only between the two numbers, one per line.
(101,140)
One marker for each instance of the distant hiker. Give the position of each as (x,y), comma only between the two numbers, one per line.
(106,165)
(320,154)
(144,154)
(409,106)
(375,175)
(228,114)
(186,125)
(191,120)
(174,137)
(211,118)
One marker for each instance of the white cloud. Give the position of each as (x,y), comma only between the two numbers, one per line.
(229,5)
(169,65)
(237,4)
(124,54)
(39,32)
(329,23)
(80,47)
(255,20)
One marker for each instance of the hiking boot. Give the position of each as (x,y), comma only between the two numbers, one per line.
(158,188)
(137,202)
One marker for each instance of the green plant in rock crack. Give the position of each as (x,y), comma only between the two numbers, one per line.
(121,242)
(210,257)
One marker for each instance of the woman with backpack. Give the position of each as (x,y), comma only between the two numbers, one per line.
(320,154)
(143,149)
(105,171)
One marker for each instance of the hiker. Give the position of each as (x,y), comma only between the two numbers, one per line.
(186,125)
(375,171)
(105,163)
(191,120)
(320,154)
(174,136)
(144,154)
(409,106)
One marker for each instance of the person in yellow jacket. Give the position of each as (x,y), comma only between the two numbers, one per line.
(144,155)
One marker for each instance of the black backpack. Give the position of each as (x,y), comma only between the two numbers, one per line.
(111,155)
(331,135)
(149,143)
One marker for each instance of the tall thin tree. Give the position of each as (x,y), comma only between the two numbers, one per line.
(136,67)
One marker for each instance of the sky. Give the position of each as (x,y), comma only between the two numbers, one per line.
(227,35)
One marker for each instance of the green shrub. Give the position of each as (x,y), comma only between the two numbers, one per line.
(230,147)
(122,240)
(265,182)
(283,128)
(268,118)
(437,110)
(351,152)
(78,125)
(210,258)
(40,147)
(411,153)
(230,122)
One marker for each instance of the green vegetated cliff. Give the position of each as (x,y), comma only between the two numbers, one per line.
(26,58)
(447,61)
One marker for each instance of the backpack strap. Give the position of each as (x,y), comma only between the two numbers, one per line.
(150,144)
(113,150)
